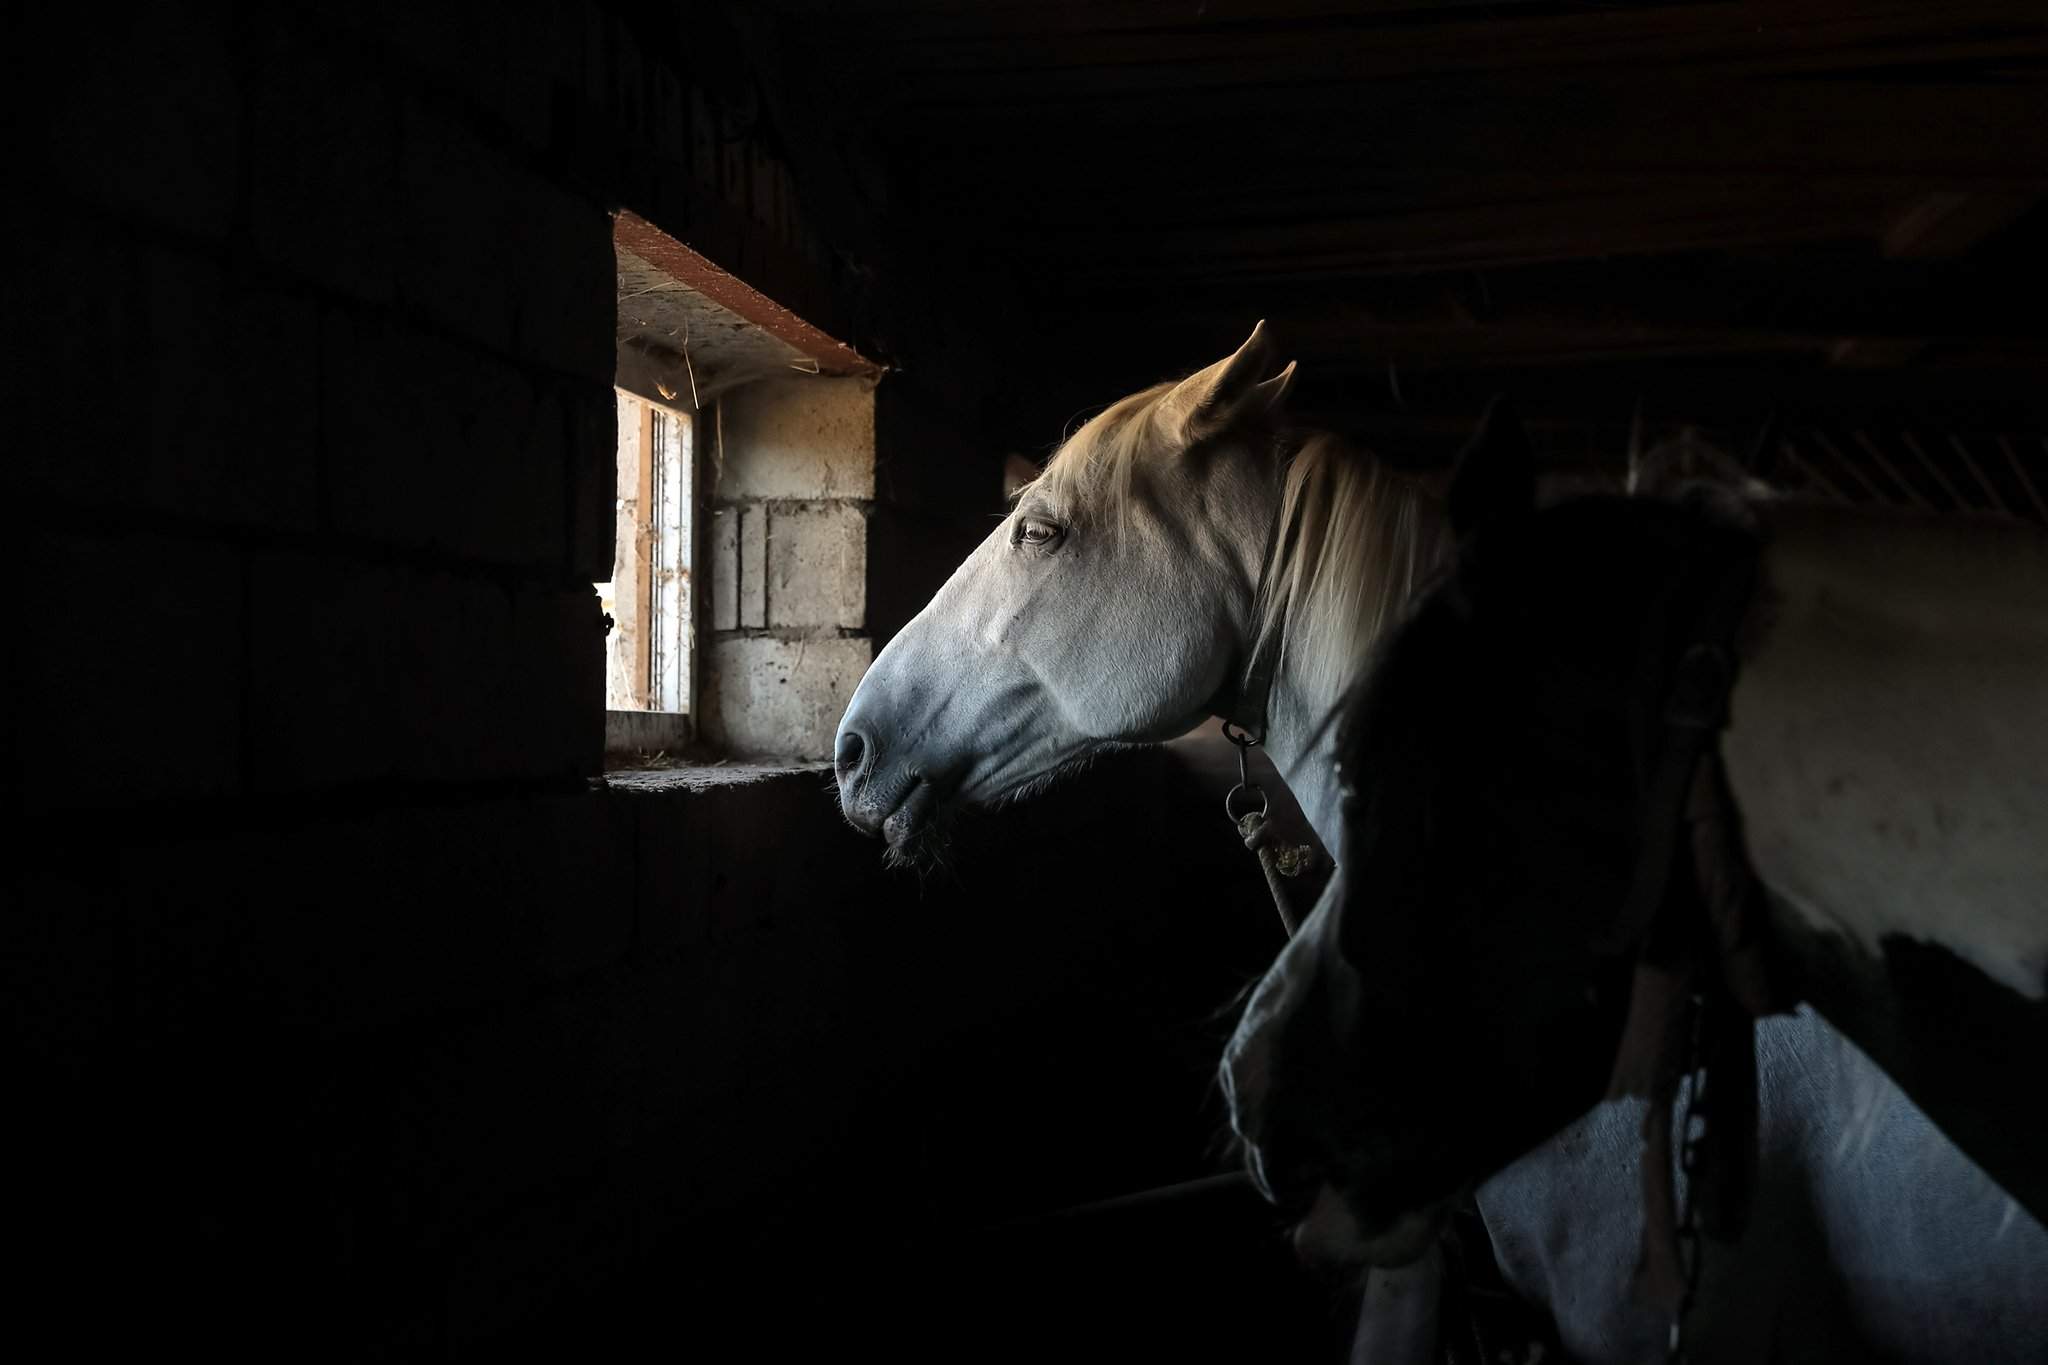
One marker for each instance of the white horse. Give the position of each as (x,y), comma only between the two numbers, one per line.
(1171,539)
(1183,556)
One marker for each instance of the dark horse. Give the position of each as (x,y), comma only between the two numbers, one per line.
(1868,803)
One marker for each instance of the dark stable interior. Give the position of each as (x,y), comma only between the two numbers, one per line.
(338,1038)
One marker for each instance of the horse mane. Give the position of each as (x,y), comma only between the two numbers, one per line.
(1354,538)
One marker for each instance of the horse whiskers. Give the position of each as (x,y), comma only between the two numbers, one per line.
(921,852)
(925,851)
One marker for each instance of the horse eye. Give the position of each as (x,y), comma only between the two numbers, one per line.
(1036,531)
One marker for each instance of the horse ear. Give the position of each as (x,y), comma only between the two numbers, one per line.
(1228,393)
(1271,393)
(1496,474)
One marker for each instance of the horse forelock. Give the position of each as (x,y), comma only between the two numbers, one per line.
(1094,472)
(1352,541)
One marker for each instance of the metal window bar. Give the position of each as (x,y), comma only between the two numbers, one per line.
(669,660)
(2020,472)
(1790,448)
(1891,471)
(1820,438)
(1956,500)
(1962,450)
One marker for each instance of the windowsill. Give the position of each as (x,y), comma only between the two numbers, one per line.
(647,739)
(697,777)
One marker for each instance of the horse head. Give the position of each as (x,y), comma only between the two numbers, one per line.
(1107,608)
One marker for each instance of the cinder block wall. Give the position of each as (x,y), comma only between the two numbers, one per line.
(792,482)
(348,1012)
(350,1015)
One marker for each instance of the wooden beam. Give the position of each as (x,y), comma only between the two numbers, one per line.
(1948,223)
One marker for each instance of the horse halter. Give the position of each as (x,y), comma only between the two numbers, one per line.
(1277,861)
(1692,1013)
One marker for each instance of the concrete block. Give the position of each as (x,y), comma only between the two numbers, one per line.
(673,866)
(79,324)
(451,918)
(131,671)
(558,658)
(544,458)
(817,565)
(567,277)
(432,444)
(324,671)
(722,551)
(233,430)
(59,952)
(503,479)
(591,411)
(416,911)
(144,116)
(272,473)
(459,716)
(805,437)
(561,1248)
(583,885)
(455,196)
(323,152)
(498,1110)
(753,574)
(186,903)
(780,697)
(388,426)
(704,879)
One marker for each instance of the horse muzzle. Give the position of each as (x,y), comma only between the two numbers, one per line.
(895,803)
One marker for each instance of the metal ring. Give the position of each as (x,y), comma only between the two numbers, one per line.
(1231,795)
(1242,739)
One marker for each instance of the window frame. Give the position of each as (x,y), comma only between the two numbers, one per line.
(649,708)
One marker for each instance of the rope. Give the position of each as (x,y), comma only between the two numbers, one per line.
(1258,837)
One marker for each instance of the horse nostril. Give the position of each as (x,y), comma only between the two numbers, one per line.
(852,748)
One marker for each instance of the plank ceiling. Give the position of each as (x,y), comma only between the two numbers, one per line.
(1710,208)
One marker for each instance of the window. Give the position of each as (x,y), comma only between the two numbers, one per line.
(647,661)
(738,591)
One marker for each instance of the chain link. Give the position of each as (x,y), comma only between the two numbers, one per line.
(1245,744)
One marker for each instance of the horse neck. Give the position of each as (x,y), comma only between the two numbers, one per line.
(1401,533)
